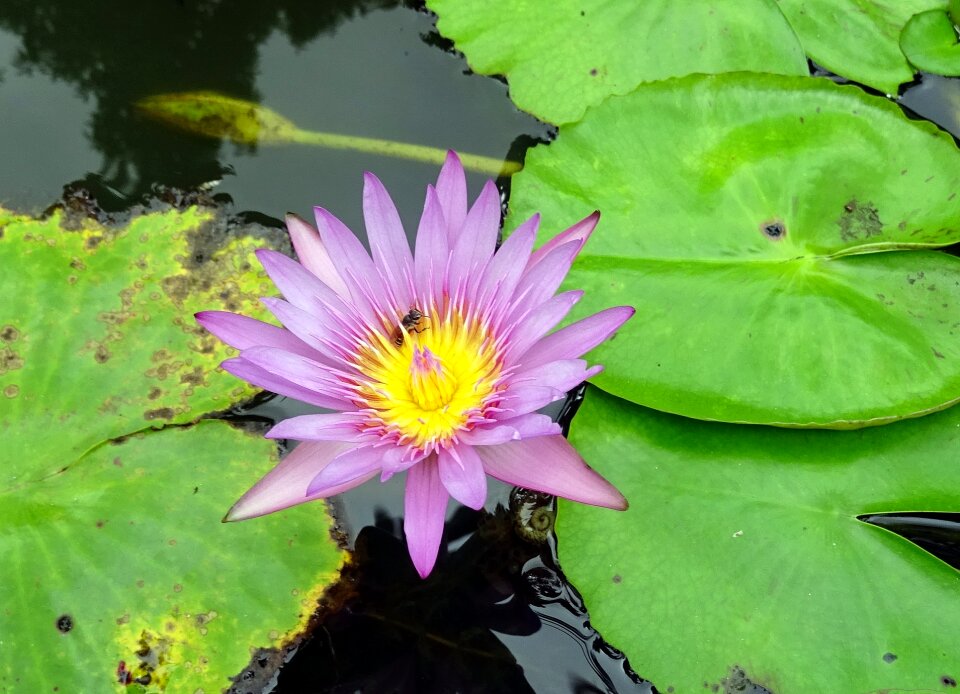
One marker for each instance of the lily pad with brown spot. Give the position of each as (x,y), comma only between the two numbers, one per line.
(119,576)
(97,337)
(562,56)
(778,239)
(742,558)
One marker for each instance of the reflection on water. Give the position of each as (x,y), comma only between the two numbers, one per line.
(74,71)
(495,615)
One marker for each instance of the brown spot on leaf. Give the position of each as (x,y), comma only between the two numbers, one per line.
(154,393)
(773,229)
(102,354)
(12,390)
(859,221)
(78,264)
(159,413)
(937,354)
(8,333)
(9,360)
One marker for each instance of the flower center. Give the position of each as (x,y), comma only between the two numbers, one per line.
(437,381)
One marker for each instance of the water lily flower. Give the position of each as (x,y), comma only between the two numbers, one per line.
(435,361)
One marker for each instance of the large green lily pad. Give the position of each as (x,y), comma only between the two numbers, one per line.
(97,337)
(116,567)
(561,56)
(741,552)
(772,234)
(929,41)
(858,39)
(119,569)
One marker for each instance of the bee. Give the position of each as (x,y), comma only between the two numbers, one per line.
(412,323)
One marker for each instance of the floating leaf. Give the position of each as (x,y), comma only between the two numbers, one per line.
(249,123)
(561,56)
(119,569)
(929,40)
(770,232)
(116,565)
(741,551)
(97,337)
(857,39)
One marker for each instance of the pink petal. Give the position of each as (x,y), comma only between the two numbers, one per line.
(298,285)
(538,322)
(521,399)
(461,472)
(432,252)
(538,284)
(452,194)
(563,374)
(513,429)
(322,331)
(425,508)
(550,464)
(338,426)
(579,232)
(307,373)
(350,256)
(286,484)
(577,338)
(348,470)
(504,271)
(262,378)
(478,237)
(242,332)
(388,242)
(313,254)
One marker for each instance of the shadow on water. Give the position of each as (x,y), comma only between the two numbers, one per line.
(497,614)
(114,56)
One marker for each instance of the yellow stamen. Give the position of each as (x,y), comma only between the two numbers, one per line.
(425,390)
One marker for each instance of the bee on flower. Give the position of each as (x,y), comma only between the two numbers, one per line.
(434,360)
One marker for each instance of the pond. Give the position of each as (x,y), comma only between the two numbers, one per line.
(497,613)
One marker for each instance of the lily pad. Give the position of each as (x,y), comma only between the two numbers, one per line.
(118,570)
(773,235)
(561,56)
(742,558)
(97,337)
(929,40)
(857,39)
(116,566)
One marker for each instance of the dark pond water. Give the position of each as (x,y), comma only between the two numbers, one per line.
(496,615)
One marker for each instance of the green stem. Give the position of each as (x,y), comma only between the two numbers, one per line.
(404,150)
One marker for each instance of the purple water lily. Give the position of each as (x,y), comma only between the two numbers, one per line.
(435,361)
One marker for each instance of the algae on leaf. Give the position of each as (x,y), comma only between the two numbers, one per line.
(97,337)
(117,570)
(561,56)
(776,237)
(742,550)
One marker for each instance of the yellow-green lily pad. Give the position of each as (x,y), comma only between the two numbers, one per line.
(97,337)
(117,572)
